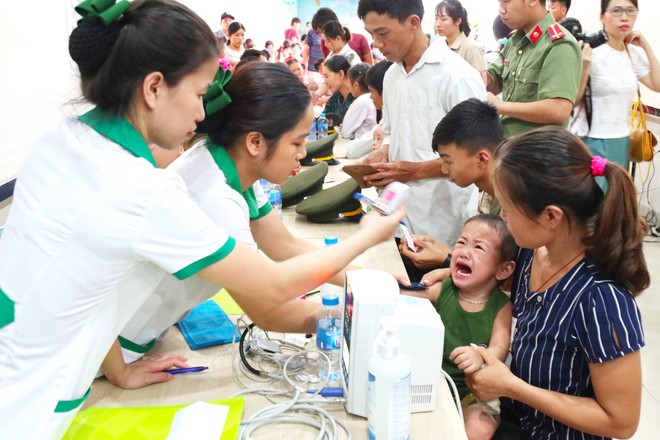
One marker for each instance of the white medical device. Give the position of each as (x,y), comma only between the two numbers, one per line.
(369,296)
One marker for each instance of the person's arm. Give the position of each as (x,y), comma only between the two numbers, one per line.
(305,55)
(586,68)
(652,80)
(277,242)
(494,75)
(493,84)
(378,156)
(261,287)
(403,171)
(140,373)
(545,111)
(468,358)
(367,56)
(614,412)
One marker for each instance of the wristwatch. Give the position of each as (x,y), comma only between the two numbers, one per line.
(447,261)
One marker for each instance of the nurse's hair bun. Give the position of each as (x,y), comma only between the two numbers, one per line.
(91,42)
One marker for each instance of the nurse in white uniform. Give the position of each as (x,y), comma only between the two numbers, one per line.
(94,226)
(224,183)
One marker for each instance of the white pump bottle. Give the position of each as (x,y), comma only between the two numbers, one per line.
(389,388)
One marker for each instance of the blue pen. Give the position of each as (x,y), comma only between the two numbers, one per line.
(185,370)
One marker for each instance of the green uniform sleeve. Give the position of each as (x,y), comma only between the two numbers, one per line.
(561,72)
(496,68)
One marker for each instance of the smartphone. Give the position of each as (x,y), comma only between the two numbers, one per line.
(413,286)
(358,172)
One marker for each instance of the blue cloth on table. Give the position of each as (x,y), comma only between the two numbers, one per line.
(207,325)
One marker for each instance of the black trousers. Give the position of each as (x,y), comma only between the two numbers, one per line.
(510,428)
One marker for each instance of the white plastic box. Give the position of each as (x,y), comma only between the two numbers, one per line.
(370,295)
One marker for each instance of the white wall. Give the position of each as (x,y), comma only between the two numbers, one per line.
(36,80)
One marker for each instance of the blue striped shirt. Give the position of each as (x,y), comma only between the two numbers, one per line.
(584,318)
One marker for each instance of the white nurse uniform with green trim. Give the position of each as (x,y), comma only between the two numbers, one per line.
(213,182)
(91,232)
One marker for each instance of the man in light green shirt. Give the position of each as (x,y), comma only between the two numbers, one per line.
(539,71)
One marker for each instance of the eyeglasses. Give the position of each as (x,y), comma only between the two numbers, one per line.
(618,12)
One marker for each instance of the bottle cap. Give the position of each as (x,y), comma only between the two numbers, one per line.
(387,343)
(331,239)
(330,300)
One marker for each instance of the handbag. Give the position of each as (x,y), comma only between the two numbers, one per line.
(642,140)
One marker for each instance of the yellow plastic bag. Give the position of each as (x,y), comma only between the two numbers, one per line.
(642,140)
(148,423)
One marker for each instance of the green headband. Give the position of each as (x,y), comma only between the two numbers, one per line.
(106,10)
(216,98)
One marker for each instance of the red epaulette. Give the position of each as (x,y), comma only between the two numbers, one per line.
(555,32)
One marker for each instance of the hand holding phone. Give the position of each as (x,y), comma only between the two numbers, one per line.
(358,172)
(413,286)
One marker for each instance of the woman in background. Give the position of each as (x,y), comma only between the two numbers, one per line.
(336,38)
(614,70)
(235,48)
(335,72)
(451,22)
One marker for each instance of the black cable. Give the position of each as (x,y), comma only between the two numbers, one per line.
(241,352)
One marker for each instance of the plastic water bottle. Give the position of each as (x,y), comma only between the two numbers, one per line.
(313,132)
(328,338)
(274,193)
(389,394)
(327,288)
(275,197)
(322,124)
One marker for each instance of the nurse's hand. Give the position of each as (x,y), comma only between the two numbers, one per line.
(147,371)
(377,228)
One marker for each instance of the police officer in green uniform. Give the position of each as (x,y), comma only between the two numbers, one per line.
(538,72)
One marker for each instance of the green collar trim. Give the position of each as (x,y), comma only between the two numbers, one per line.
(118,130)
(228,167)
(7,310)
(134,346)
(69,405)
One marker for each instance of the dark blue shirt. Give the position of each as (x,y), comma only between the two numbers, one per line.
(584,318)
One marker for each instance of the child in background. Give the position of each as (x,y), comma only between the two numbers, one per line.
(364,145)
(476,312)
(377,138)
(361,115)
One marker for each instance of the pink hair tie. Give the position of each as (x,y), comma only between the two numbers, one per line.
(598,166)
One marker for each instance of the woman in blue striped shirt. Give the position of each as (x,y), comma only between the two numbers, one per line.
(577,332)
